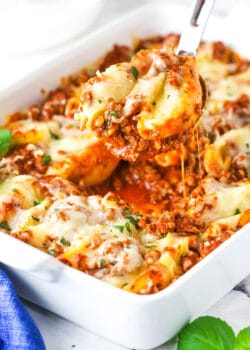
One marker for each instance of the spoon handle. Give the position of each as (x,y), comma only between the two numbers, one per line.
(194,27)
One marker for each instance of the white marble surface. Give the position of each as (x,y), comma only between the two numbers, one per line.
(60,334)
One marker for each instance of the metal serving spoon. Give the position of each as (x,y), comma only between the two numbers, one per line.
(192,33)
(193,29)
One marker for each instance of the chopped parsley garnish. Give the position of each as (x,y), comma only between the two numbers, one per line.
(135,72)
(46,160)
(119,227)
(164,235)
(13,189)
(99,100)
(247,145)
(128,228)
(131,54)
(64,241)
(168,96)
(35,218)
(53,135)
(237,211)
(38,202)
(131,218)
(4,225)
(133,221)
(128,247)
(184,255)
(102,262)
(127,212)
(151,246)
(56,210)
(113,113)
(5,136)
(51,251)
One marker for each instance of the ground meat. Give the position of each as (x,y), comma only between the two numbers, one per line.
(23,160)
(116,55)
(158,41)
(189,260)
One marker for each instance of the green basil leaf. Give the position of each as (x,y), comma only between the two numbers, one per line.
(206,333)
(5,136)
(243,339)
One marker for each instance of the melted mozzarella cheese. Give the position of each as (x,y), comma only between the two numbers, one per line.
(229,88)
(225,149)
(34,132)
(220,200)
(209,68)
(75,155)
(124,253)
(162,90)
(23,187)
(216,227)
(74,216)
(115,83)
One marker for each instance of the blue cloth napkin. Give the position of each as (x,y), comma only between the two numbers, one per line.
(17,329)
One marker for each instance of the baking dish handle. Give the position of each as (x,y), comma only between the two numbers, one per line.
(23,257)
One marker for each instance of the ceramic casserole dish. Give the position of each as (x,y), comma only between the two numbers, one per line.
(135,321)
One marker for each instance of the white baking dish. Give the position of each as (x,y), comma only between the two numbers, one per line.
(134,321)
